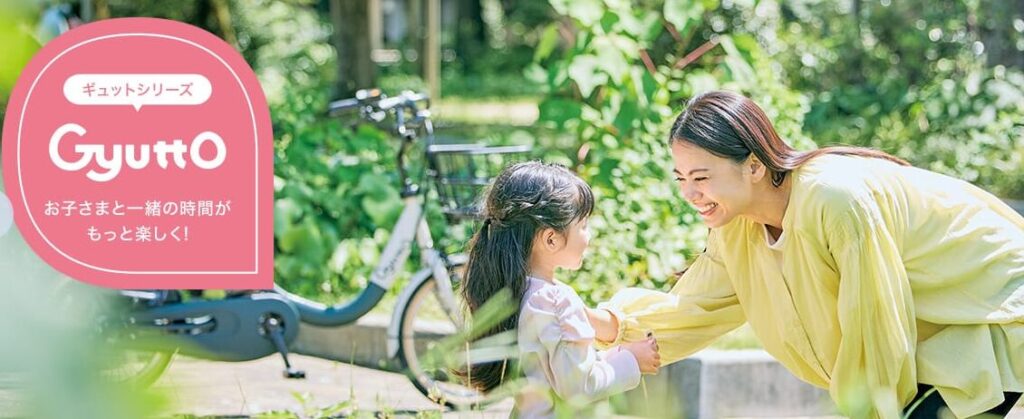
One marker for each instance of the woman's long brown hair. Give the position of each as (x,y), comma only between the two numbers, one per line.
(732,126)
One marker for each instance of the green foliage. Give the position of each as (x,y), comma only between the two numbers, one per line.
(620,108)
(922,92)
(334,197)
(458,84)
(57,361)
(18,43)
(401,81)
(970,128)
(912,78)
(512,29)
(336,180)
(487,84)
(335,185)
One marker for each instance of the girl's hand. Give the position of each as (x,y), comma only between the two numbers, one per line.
(646,353)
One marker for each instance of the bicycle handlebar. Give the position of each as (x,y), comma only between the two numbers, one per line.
(406,99)
(344,105)
(374,107)
(372,100)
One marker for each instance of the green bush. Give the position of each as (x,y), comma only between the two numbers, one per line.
(335,182)
(912,78)
(619,108)
(971,128)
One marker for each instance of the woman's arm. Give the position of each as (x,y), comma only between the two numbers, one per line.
(700,307)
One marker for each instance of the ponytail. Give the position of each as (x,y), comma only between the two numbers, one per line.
(498,259)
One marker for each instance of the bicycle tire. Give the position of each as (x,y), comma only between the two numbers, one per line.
(412,345)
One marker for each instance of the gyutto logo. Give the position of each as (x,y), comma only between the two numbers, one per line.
(138,154)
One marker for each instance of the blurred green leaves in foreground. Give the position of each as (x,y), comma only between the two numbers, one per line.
(54,362)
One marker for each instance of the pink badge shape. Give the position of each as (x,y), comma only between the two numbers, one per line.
(137,153)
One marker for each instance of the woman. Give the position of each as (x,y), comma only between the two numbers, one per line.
(891,286)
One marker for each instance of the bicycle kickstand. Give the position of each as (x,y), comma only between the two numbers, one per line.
(276,334)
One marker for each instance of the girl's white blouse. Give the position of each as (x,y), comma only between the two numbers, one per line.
(558,356)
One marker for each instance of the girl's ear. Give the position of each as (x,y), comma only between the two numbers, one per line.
(551,240)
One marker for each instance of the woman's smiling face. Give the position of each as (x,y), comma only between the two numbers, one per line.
(718,188)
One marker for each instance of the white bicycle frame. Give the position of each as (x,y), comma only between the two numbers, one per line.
(412,225)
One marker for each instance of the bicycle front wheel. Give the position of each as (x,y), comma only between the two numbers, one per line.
(425,323)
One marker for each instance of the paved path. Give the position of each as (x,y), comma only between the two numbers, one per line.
(242,389)
(248,388)
(245,389)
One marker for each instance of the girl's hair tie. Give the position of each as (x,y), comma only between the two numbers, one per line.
(493,222)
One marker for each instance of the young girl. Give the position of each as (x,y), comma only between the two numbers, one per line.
(536,221)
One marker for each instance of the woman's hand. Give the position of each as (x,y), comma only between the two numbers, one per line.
(606,326)
(646,353)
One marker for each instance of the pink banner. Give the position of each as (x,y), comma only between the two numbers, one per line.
(137,153)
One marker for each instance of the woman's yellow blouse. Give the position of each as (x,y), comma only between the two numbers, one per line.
(884,277)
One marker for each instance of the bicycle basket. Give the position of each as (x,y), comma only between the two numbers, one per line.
(461,172)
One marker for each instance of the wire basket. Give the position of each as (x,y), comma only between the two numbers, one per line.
(461,172)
